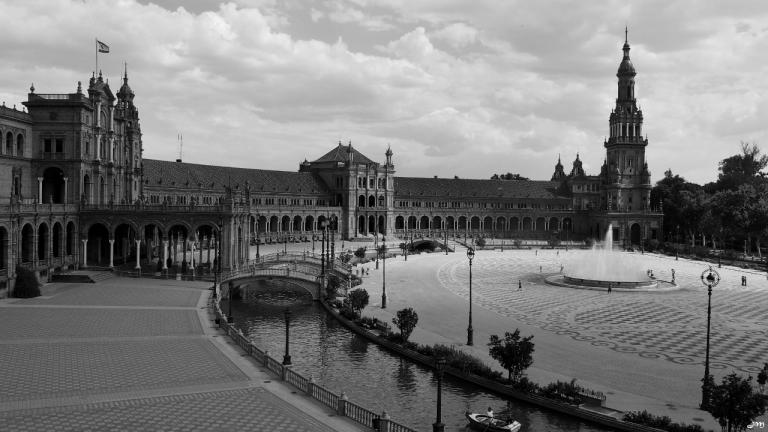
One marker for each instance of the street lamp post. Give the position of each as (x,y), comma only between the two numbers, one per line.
(709,278)
(287,357)
(322,251)
(470,255)
(438,425)
(446,241)
(230,318)
(384,273)
(376,247)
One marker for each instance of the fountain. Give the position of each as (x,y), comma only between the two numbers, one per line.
(603,267)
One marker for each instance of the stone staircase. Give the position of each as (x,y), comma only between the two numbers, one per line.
(82,276)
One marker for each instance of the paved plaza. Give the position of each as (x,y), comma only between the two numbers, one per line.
(137,355)
(645,350)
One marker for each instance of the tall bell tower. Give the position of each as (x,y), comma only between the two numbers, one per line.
(625,173)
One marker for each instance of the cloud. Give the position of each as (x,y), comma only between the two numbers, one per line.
(457,35)
(450,84)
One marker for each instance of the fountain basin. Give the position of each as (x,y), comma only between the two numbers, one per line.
(602,285)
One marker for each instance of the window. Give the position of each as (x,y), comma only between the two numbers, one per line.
(47,145)
(370,182)
(59,145)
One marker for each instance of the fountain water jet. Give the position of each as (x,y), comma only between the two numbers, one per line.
(604,267)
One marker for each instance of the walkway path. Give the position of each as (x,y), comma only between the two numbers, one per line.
(644,350)
(128,354)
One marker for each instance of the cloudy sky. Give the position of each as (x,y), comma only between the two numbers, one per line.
(467,88)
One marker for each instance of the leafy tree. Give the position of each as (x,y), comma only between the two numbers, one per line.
(515,354)
(332,286)
(740,169)
(762,378)
(406,321)
(554,240)
(358,299)
(734,403)
(27,285)
(508,176)
(480,242)
(360,252)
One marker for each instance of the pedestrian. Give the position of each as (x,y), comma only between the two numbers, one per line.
(609,287)
(561,268)
(743,281)
(519,285)
(537,252)
(540,269)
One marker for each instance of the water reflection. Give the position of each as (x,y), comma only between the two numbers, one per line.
(372,377)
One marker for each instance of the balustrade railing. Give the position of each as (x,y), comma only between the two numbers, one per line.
(360,414)
(325,396)
(296,380)
(339,404)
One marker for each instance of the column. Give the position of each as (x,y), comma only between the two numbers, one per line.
(200,251)
(39,190)
(85,253)
(165,254)
(111,253)
(66,190)
(208,257)
(192,257)
(138,253)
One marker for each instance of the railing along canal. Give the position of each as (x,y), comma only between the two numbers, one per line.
(339,403)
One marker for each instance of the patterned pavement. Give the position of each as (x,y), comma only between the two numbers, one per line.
(128,354)
(235,410)
(668,325)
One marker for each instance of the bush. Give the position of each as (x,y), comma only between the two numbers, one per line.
(27,285)
(480,242)
(368,322)
(348,313)
(701,251)
(567,392)
(589,242)
(652,245)
(659,422)
(360,252)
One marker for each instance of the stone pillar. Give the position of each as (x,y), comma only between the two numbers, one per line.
(66,190)
(138,254)
(39,190)
(200,252)
(208,252)
(165,254)
(111,253)
(192,257)
(85,253)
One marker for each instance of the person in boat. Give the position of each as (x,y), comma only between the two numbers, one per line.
(489,413)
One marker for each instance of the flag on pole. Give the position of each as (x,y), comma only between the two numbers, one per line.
(103,48)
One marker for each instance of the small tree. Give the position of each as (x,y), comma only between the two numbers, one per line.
(515,354)
(332,286)
(27,285)
(480,242)
(360,252)
(358,299)
(735,404)
(406,321)
(762,377)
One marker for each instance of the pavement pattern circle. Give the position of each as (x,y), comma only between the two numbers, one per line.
(655,325)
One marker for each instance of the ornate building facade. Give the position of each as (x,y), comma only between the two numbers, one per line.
(80,194)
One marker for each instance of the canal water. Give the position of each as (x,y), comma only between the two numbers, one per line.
(371,376)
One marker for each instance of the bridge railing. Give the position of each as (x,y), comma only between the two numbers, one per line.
(339,403)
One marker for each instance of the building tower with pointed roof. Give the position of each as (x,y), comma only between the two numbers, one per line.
(559,174)
(625,175)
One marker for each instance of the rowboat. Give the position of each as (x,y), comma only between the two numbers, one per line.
(482,422)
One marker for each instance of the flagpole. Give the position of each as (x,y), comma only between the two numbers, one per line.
(96,43)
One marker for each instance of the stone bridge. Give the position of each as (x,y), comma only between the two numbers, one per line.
(298,270)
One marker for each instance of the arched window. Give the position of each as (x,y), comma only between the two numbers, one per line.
(9,144)
(20,145)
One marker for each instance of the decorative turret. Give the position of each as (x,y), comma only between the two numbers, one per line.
(388,154)
(125,93)
(577,170)
(559,174)
(350,153)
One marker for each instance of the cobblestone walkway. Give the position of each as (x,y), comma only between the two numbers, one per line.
(135,355)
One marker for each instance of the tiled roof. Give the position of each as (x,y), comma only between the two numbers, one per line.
(408,187)
(339,154)
(188,175)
